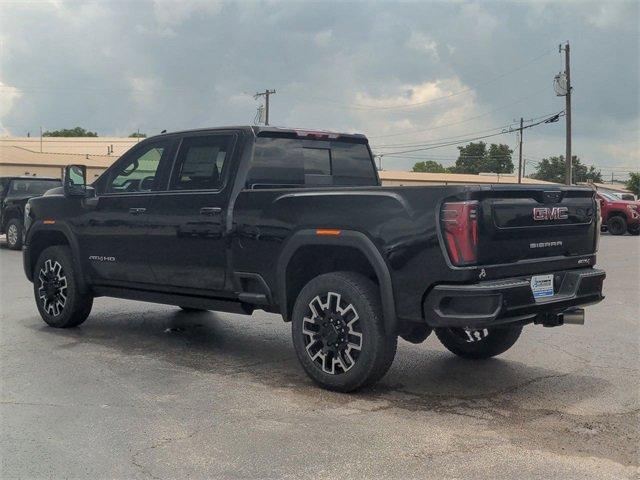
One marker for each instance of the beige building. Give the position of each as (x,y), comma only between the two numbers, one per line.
(391,177)
(47,157)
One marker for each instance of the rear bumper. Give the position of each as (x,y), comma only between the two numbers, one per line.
(510,300)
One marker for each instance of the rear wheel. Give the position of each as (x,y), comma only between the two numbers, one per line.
(338,332)
(478,344)
(55,286)
(635,230)
(14,234)
(617,225)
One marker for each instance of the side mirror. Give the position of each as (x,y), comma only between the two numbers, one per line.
(75,181)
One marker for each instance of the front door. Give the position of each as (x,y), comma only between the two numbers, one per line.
(187,235)
(112,232)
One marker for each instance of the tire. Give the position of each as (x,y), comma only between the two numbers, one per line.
(14,234)
(55,287)
(635,230)
(617,225)
(487,343)
(191,309)
(342,307)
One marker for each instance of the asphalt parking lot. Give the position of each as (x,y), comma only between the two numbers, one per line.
(148,391)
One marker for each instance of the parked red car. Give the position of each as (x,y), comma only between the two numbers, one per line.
(619,216)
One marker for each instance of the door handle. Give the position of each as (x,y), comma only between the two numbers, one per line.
(210,211)
(137,211)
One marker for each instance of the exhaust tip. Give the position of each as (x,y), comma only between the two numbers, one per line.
(573,317)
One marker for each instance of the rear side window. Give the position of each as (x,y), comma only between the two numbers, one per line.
(201,161)
(298,163)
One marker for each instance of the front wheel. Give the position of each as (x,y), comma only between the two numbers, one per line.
(635,230)
(338,332)
(617,225)
(478,344)
(55,286)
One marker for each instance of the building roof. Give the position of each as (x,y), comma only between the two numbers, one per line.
(610,186)
(417,177)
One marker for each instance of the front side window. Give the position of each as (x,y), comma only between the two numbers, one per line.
(138,173)
(201,161)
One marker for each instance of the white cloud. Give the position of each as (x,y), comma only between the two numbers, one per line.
(421,42)
(8,97)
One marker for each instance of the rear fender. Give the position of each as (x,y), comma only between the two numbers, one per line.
(347,238)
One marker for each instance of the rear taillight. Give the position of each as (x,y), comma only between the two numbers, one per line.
(460,225)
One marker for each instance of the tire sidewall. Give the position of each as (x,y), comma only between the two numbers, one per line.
(369,311)
(498,341)
(61,255)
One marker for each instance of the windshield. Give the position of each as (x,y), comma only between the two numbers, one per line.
(32,187)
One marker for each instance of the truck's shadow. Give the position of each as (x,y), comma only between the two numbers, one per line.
(260,349)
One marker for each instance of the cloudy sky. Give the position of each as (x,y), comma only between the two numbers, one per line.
(402,73)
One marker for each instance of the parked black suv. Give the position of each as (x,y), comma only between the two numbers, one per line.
(14,193)
(295,222)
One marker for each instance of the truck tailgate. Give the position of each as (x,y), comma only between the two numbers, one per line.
(519,224)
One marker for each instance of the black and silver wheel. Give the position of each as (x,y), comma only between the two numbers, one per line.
(479,343)
(617,225)
(58,298)
(14,234)
(338,332)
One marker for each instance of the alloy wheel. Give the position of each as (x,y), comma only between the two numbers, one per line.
(53,287)
(332,333)
(12,234)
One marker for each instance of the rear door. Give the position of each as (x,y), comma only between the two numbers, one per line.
(522,224)
(187,236)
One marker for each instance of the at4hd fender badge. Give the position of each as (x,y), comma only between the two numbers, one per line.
(101,258)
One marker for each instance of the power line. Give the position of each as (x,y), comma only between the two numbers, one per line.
(469,119)
(432,146)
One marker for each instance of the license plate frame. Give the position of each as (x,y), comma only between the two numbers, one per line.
(542,286)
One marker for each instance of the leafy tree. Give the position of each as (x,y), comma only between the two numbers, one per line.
(552,170)
(429,166)
(475,158)
(138,135)
(70,132)
(633,184)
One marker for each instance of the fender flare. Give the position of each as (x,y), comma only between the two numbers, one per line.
(63,229)
(347,238)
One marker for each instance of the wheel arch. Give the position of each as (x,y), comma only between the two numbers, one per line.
(41,236)
(309,241)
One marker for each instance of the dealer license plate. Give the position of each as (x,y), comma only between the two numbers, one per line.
(542,286)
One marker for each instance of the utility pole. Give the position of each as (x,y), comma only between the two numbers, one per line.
(567,97)
(40,139)
(266,94)
(520,153)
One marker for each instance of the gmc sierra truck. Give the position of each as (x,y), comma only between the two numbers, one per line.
(296,222)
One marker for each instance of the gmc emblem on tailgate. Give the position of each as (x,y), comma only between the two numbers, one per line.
(555,213)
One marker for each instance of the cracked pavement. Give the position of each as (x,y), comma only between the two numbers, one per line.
(148,391)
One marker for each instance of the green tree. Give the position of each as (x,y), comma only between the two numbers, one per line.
(475,158)
(138,135)
(633,184)
(429,166)
(70,132)
(552,170)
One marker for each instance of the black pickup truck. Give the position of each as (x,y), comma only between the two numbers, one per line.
(296,222)
(14,193)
